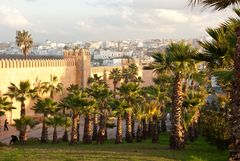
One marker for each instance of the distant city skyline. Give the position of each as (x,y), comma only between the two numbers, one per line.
(85,20)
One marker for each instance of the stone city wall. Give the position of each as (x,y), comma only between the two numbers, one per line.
(14,71)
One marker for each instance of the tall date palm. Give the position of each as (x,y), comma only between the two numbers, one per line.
(131,93)
(46,107)
(235,94)
(76,102)
(52,87)
(177,60)
(24,41)
(116,77)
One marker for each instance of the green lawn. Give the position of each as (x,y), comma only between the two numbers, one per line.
(145,151)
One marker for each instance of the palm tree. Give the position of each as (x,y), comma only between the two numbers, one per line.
(235,95)
(52,87)
(221,55)
(153,113)
(163,92)
(130,73)
(67,124)
(88,130)
(38,85)
(95,126)
(5,105)
(133,71)
(45,106)
(95,80)
(155,102)
(22,124)
(131,93)
(21,93)
(76,102)
(116,76)
(140,115)
(24,41)
(71,89)
(177,60)
(102,96)
(216,4)
(125,75)
(194,100)
(55,121)
(118,109)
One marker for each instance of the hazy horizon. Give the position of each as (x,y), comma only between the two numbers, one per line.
(85,20)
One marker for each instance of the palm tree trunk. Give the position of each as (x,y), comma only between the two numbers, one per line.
(191,132)
(102,129)
(65,135)
(150,127)
(145,129)
(74,134)
(55,137)
(155,136)
(159,126)
(23,131)
(23,110)
(129,138)
(235,104)
(88,135)
(85,128)
(177,132)
(163,124)
(106,134)
(114,89)
(23,134)
(95,127)
(139,132)
(44,137)
(119,130)
(25,54)
(78,128)
(133,127)
(186,86)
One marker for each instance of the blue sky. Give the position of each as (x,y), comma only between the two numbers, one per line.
(85,20)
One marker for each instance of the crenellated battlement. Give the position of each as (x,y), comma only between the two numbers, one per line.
(34,63)
(76,53)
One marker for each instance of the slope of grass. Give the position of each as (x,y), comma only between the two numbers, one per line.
(144,151)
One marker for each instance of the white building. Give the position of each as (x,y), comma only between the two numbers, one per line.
(108,54)
(109,44)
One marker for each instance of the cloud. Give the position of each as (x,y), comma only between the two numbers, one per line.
(109,3)
(176,16)
(82,25)
(12,18)
(106,19)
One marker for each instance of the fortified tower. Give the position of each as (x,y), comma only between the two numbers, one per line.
(82,63)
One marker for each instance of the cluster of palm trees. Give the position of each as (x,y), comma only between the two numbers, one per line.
(230,31)
(97,104)
(24,92)
(188,93)
(145,107)
(185,94)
